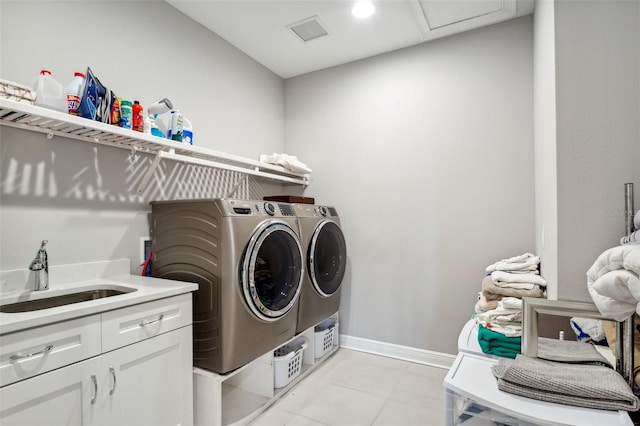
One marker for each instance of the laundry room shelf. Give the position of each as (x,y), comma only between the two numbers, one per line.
(54,123)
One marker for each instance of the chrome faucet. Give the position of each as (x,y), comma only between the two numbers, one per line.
(40,265)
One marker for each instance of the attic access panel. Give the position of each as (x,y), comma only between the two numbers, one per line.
(440,14)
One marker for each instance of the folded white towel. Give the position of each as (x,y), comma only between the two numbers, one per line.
(523,262)
(289,162)
(633,238)
(510,303)
(500,278)
(505,321)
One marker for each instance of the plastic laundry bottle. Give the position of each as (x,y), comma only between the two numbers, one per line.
(49,92)
(115,112)
(187,131)
(73,92)
(137,122)
(126,114)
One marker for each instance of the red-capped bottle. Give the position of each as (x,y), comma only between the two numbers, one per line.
(138,117)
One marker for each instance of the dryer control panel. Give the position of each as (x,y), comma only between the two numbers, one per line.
(310,210)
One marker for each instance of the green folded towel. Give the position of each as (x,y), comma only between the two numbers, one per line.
(495,343)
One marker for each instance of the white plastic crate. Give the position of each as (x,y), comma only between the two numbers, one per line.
(288,362)
(324,334)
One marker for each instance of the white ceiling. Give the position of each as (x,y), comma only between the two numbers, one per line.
(260,28)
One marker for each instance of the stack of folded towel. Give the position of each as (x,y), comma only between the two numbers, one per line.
(518,276)
(499,306)
(634,237)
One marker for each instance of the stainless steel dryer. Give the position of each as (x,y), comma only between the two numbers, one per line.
(325,260)
(247,258)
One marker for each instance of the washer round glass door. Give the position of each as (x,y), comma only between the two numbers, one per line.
(327,258)
(272,270)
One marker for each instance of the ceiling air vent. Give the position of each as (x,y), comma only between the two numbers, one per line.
(308,29)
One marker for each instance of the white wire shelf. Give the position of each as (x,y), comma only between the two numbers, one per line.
(54,123)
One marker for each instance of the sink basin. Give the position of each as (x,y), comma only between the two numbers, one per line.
(62,300)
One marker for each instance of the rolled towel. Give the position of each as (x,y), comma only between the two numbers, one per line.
(503,279)
(523,262)
(633,238)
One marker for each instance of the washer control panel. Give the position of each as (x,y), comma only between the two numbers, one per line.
(258,208)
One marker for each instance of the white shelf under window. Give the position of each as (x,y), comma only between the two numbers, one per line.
(54,123)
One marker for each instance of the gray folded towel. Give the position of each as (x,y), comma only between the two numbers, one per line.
(569,351)
(590,386)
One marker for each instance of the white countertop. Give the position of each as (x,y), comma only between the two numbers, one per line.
(146,289)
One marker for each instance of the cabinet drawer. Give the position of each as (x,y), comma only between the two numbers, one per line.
(129,325)
(31,352)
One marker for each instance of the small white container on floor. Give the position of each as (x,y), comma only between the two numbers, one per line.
(287,362)
(324,334)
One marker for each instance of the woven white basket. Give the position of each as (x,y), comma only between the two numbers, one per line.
(17,92)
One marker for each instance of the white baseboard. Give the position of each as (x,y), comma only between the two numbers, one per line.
(406,353)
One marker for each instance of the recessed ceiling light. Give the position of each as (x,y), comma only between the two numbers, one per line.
(363,9)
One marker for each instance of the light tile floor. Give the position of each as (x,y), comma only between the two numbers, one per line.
(354,388)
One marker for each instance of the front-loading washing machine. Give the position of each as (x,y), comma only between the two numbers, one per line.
(325,252)
(247,258)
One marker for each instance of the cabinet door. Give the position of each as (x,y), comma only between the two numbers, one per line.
(150,383)
(66,396)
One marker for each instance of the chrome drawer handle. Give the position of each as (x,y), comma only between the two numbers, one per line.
(113,373)
(95,388)
(45,351)
(146,323)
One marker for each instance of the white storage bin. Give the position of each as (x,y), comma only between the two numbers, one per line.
(324,334)
(287,362)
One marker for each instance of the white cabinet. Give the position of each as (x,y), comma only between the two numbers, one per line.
(149,383)
(238,397)
(143,377)
(60,397)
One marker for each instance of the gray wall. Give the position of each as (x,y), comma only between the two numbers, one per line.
(82,197)
(597,80)
(587,132)
(427,153)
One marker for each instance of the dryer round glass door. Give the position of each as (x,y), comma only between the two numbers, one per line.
(272,270)
(327,258)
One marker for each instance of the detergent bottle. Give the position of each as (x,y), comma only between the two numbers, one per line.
(73,92)
(187,131)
